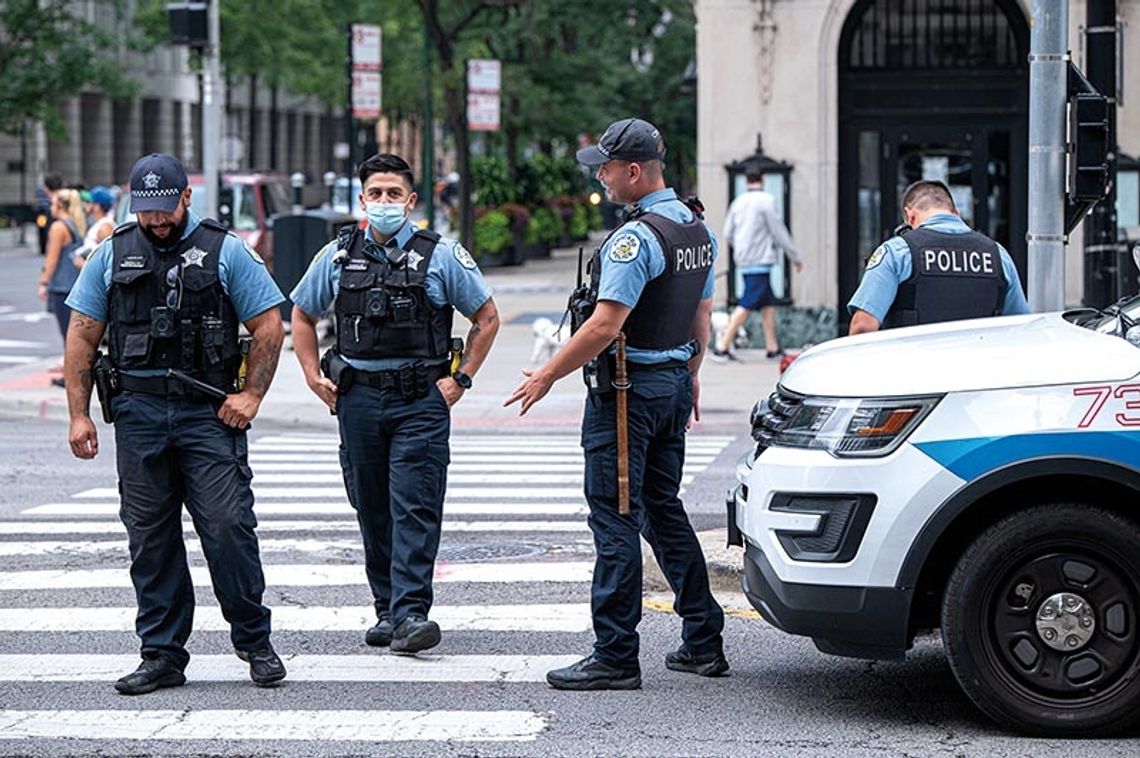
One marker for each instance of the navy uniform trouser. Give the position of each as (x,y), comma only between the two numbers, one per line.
(172,451)
(394,455)
(659,405)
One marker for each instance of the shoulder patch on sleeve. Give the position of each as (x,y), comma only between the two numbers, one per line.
(253,253)
(877,257)
(464,257)
(625,248)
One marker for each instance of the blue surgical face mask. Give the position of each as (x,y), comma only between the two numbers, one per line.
(386,218)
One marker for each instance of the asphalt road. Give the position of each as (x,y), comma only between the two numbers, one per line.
(512,594)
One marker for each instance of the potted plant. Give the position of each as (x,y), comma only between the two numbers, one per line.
(492,237)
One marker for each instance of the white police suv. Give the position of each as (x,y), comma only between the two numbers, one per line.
(978,476)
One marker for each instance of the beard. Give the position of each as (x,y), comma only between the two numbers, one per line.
(173,237)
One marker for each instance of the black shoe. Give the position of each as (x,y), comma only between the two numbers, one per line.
(57,381)
(724,356)
(592,674)
(705,664)
(152,674)
(777,353)
(380,635)
(415,633)
(265,667)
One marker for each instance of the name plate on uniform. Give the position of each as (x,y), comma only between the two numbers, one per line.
(960,262)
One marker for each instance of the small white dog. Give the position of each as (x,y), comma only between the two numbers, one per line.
(720,323)
(547,339)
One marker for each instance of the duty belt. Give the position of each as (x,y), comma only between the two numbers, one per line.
(163,387)
(411,379)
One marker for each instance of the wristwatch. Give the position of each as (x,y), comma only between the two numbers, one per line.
(462,380)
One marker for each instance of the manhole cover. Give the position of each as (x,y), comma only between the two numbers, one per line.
(473,553)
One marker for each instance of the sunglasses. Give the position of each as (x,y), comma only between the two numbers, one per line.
(174,282)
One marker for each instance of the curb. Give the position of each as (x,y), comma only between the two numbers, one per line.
(725,564)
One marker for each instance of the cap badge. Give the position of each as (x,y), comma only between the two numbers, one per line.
(151,180)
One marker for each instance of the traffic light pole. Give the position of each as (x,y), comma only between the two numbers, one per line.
(1103,270)
(211,108)
(1048,78)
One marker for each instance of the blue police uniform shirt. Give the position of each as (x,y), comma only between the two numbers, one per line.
(626,270)
(453,279)
(242,273)
(890,265)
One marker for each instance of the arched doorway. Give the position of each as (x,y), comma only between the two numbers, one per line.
(931,89)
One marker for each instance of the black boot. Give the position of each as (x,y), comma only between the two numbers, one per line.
(415,633)
(380,635)
(705,664)
(593,674)
(152,674)
(265,667)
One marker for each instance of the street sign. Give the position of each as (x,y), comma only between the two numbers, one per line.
(366,47)
(366,94)
(484,75)
(482,112)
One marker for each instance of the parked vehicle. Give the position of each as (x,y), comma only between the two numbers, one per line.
(246,204)
(981,477)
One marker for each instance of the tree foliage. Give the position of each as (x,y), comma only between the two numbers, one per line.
(48,52)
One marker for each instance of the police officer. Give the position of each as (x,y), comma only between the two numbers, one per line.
(653,279)
(393,289)
(938,270)
(172,290)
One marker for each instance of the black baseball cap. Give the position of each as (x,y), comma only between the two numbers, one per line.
(157,183)
(631,139)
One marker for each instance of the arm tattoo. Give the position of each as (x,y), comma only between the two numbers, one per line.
(263,357)
(472,334)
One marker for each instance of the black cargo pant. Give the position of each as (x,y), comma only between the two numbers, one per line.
(659,405)
(394,455)
(172,451)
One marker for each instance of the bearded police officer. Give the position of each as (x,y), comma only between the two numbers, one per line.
(394,289)
(653,280)
(172,290)
(938,270)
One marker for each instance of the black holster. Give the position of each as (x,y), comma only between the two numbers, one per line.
(598,374)
(337,369)
(106,381)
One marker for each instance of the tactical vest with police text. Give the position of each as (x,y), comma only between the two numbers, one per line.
(382,306)
(168,308)
(953,277)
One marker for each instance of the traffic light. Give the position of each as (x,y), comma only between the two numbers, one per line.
(1088,180)
(188,23)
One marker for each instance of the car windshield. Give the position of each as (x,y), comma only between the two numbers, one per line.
(1107,320)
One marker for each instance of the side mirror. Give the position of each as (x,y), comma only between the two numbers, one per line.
(1133,336)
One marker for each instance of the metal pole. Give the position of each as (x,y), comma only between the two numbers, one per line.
(429,148)
(1102,266)
(211,108)
(1048,79)
(349,122)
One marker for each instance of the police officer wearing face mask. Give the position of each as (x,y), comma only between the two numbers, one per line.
(938,270)
(172,290)
(653,280)
(393,289)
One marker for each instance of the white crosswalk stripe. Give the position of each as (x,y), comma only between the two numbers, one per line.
(521,488)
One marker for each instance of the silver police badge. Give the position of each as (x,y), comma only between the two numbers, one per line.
(151,180)
(193,257)
(464,257)
(625,248)
(414,260)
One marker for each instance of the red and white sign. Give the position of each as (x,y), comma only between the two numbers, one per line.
(483,112)
(366,47)
(484,75)
(366,94)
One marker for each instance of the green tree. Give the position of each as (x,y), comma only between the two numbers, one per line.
(48,52)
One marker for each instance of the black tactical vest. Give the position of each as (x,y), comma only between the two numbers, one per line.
(663,316)
(382,306)
(953,277)
(168,308)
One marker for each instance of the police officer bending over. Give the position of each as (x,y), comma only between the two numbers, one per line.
(394,289)
(939,270)
(652,278)
(172,290)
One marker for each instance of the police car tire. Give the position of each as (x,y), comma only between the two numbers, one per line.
(980,616)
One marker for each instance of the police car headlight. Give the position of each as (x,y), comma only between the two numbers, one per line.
(853,428)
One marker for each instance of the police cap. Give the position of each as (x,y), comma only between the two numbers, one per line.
(631,139)
(157,183)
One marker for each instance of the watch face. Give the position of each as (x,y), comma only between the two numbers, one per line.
(462,380)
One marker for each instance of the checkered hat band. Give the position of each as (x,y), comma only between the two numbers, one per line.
(156,192)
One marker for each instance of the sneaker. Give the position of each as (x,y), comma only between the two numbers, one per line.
(724,356)
(705,664)
(415,633)
(778,353)
(593,674)
(265,667)
(152,674)
(380,635)
(57,381)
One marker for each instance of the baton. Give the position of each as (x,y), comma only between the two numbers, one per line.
(205,389)
(621,385)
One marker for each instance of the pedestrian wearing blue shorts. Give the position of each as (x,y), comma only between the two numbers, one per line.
(757,235)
